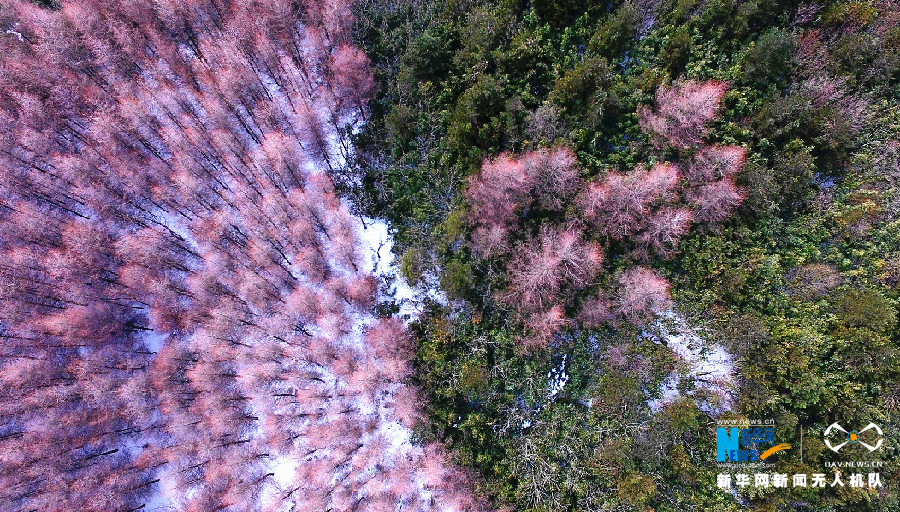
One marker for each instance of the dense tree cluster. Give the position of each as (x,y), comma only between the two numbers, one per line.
(735,165)
(645,212)
(681,120)
(185,310)
(627,219)
(508,185)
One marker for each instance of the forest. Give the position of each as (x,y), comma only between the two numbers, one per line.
(187,314)
(474,255)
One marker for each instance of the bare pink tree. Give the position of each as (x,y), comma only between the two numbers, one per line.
(353,79)
(663,232)
(711,163)
(715,200)
(507,185)
(642,293)
(555,174)
(541,326)
(557,260)
(612,206)
(496,195)
(595,312)
(186,313)
(545,272)
(683,111)
(618,205)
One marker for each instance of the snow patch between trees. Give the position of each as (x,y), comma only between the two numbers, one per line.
(378,244)
(557,378)
(705,370)
(14,31)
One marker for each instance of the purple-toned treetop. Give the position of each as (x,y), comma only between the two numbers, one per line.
(683,111)
(185,307)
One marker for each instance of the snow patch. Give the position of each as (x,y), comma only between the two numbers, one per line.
(708,368)
(14,33)
(378,243)
(557,378)
(154,340)
(398,437)
(283,471)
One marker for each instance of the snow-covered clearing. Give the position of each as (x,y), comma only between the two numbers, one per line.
(378,244)
(706,372)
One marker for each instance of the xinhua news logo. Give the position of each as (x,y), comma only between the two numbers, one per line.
(751,443)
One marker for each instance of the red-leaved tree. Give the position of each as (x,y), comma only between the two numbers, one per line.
(619,205)
(711,163)
(640,214)
(715,200)
(682,114)
(557,260)
(642,293)
(506,186)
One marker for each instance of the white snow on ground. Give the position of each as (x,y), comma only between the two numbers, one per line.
(14,32)
(284,469)
(175,225)
(557,378)
(707,369)
(378,242)
(377,245)
(154,340)
(399,438)
(157,502)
